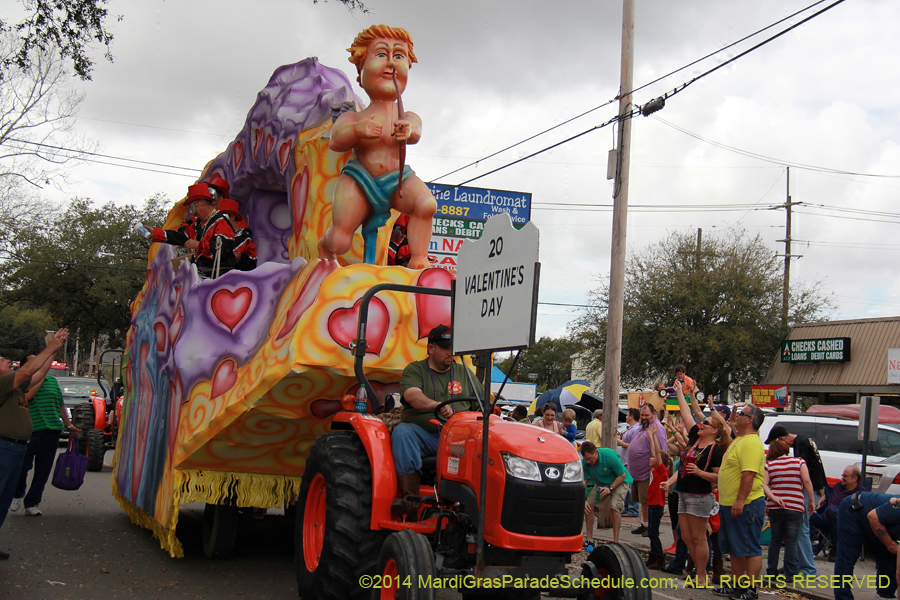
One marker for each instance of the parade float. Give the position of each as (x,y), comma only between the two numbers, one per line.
(237,388)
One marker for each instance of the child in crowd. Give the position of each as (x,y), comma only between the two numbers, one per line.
(568,417)
(687,383)
(656,499)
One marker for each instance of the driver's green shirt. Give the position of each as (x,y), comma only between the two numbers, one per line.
(416,375)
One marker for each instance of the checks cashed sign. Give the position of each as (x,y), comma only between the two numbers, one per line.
(495,301)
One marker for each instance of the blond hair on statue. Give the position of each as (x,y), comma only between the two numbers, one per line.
(360,46)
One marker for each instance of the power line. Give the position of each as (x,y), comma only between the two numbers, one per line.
(770,159)
(607,103)
(155,126)
(80,153)
(673,92)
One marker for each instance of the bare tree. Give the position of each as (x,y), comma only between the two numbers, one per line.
(38,107)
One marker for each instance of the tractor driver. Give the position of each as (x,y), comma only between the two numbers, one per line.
(423,385)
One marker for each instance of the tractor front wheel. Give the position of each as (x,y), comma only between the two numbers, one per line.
(334,544)
(405,562)
(96,450)
(616,561)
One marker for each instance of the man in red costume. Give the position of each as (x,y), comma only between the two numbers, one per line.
(208,233)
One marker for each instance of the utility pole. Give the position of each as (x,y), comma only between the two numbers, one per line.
(699,239)
(613,367)
(786,290)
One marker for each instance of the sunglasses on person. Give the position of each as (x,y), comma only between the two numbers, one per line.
(706,423)
(743,414)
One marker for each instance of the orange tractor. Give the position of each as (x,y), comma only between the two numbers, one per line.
(504,527)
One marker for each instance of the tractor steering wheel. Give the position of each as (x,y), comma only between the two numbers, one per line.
(437,409)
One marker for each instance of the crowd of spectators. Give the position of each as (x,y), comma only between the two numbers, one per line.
(721,485)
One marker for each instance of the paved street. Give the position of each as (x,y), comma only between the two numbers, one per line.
(84,547)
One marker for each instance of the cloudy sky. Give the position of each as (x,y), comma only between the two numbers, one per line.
(494,72)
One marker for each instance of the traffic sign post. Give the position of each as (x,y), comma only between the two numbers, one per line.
(495,308)
(868,427)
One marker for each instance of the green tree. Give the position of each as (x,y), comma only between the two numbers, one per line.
(715,309)
(550,360)
(84,266)
(22,330)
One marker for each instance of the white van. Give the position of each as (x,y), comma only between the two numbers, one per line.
(837,440)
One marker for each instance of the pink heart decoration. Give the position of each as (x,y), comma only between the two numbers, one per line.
(160,330)
(343,321)
(230,307)
(237,152)
(432,311)
(224,377)
(284,153)
(299,194)
(322,409)
(270,143)
(175,327)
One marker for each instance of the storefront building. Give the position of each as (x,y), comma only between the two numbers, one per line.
(836,362)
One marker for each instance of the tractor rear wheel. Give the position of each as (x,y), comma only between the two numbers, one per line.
(616,561)
(334,544)
(96,450)
(220,523)
(406,560)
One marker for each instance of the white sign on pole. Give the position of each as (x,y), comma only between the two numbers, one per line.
(869,403)
(495,301)
(893,370)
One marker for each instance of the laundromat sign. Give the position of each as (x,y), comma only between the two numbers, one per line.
(821,350)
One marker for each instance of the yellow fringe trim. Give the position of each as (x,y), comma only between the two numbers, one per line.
(244,489)
(164,533)
(213,487)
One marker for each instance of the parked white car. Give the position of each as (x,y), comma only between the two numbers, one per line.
(838,443)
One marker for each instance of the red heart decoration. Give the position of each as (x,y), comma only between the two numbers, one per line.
(432,311)
(342,325)
(224,377)
(270,143)
(175,327)
(160,330)
(306,296)
(237,152)
(230,307)
(284,153)
(299,193)
(322,409)
(256,142)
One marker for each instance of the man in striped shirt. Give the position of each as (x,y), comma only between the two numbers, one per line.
(48,414)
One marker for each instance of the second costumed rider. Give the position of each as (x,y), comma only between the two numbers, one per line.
(423,385)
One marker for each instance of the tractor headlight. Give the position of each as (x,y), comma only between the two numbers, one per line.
(521,468)
(573,472)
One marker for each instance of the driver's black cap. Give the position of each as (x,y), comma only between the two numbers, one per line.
(441,336)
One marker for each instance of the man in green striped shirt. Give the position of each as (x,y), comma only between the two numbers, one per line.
(48,414)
